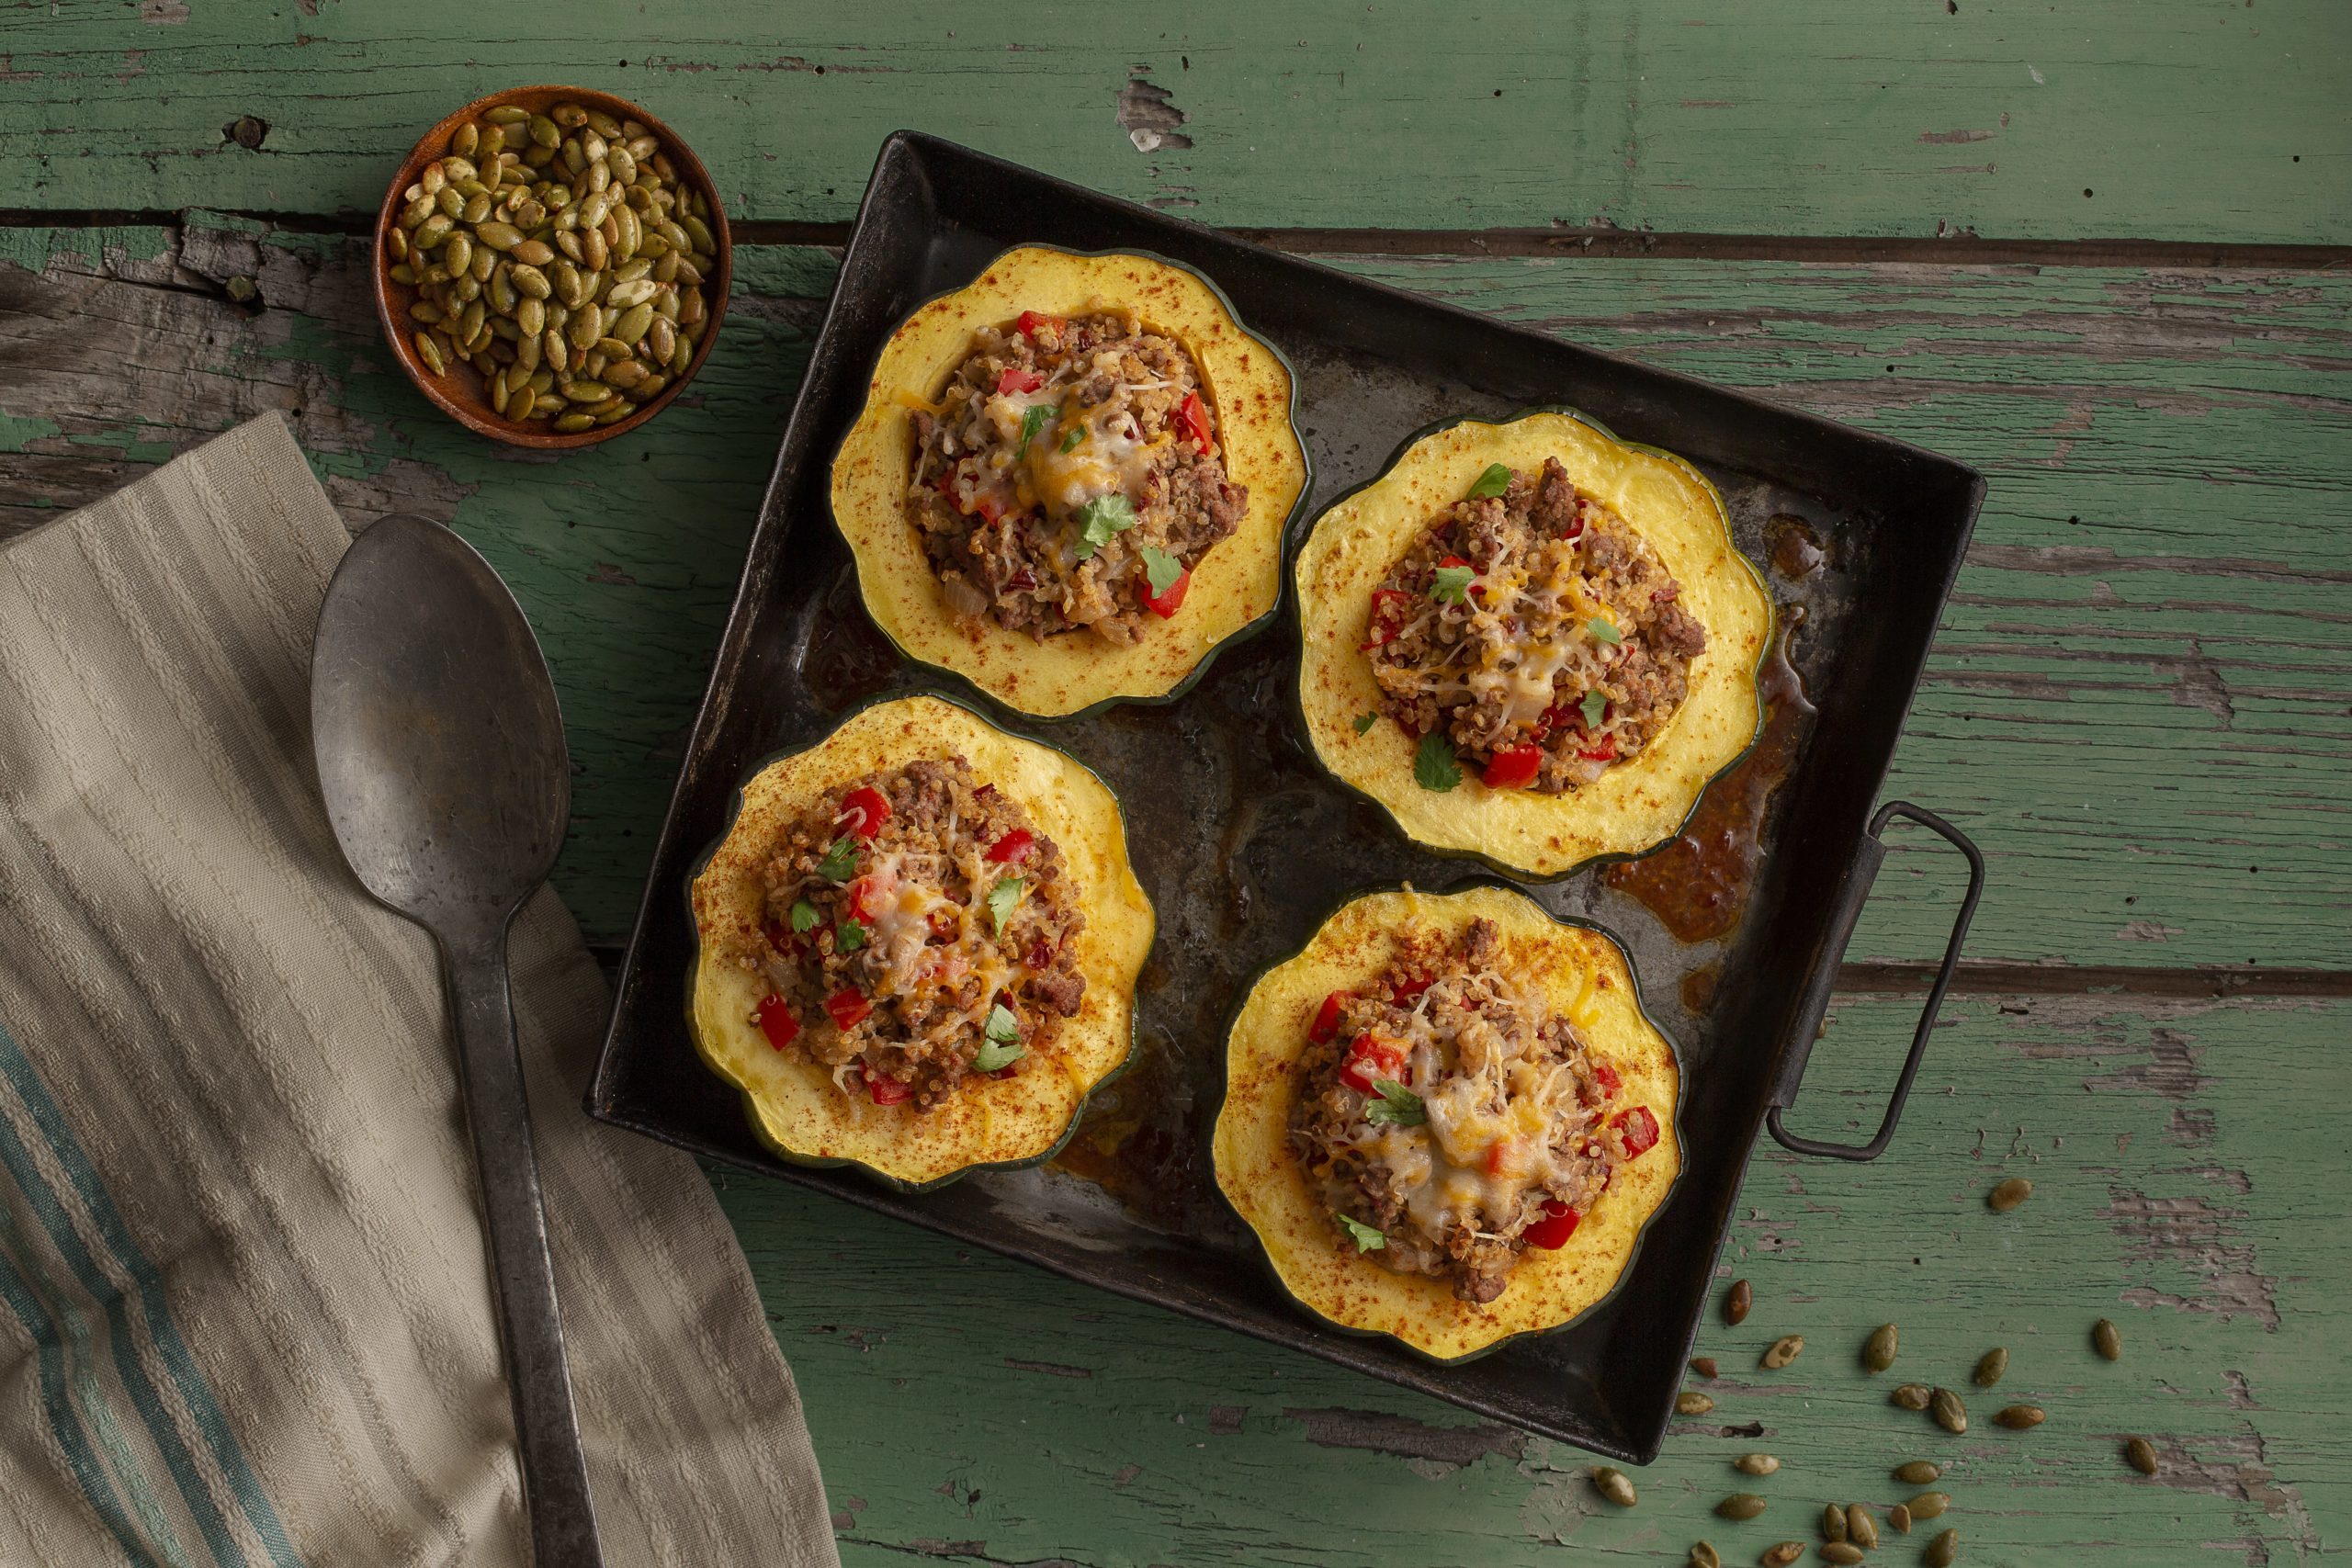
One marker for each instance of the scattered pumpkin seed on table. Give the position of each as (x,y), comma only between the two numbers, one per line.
(1950,1413)
(1781,1556)
(1703,1365)
(1861,1528)
(1737,1303)
(564,245)
(1741,1506)
(1786,1349)
(1878,1350)
(1756,1464)
(1919,1471)
(2018,1417)
(1833,1522)
(1843,1552)
(1929,1504)
(1944,1550)
(2107,1339)
(1899,1517)
(1912,1396)
(2141,1454)
(1690,1402)
(2009,1194)
(1612,1484)
(1704,1556)
(1990,1366)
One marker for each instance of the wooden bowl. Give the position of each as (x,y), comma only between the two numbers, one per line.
(461,392)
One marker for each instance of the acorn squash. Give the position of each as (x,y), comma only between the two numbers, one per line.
(1636,804)
(1233,590)
(793,1103)
(1580,972)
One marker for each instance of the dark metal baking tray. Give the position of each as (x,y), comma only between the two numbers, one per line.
(1243,844)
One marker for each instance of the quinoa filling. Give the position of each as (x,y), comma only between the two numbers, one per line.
(1450,1122)
(1070,476)
(1533,633)
(918,931)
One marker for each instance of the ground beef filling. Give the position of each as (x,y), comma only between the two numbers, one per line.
(1535,632)
(1450,1122)
(1070,477)
(918,930)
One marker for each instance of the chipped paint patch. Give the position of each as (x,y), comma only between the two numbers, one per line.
(1150,121)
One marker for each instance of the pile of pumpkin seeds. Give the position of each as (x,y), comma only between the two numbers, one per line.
(1849,1531)
(563,257)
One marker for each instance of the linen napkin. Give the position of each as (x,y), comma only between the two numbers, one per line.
(245,1311)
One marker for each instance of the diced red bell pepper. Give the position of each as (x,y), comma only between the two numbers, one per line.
(886,1091)
(1194,419)
(862,897)
(1165,605)
(1012,847)
(1014,378)
(1370,1059)
(848,1008)
(1022,580)
(1327,1018)
(1030,321)
(864,809)
(1040,955)
(1640,1129)
(1386,617)
(1512,767)
(1552,1232)
(1606,1078)
(1604,752)
(776,1021)
(1497,1152)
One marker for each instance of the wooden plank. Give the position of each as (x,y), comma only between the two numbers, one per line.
(2189,1164)
(2185,119)
(2137,703)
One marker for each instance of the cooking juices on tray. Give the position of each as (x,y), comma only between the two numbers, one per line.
(918,945)
(1530,641)
(1447,1118)
(1070,479)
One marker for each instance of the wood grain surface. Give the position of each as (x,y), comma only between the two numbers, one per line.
(2140,701)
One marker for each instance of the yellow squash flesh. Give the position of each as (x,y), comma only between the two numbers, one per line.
(1635,805)
(1247,389)
(987,1121)
(1576,972)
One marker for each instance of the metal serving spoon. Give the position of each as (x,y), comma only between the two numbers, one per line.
(441,753)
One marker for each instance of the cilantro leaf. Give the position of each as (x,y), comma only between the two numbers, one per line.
(1433,765)
(1074,440)
(841,859)
(1101,520)
(1494,481)
(1033,424)
(1594,705)
(1162,567)
(1451,583)
(1002,1041)
(1003,899)
(848,935)
(1604,630)
(1365,721)
(805,917)
(1366,1238)
(1397,1103)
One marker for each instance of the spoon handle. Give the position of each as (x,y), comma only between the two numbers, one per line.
(547,1429)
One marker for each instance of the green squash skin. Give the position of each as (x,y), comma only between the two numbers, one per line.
(694,965)
(968,693)
(1501,868)
(1265,1258)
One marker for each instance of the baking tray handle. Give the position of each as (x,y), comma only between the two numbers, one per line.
(1851,896)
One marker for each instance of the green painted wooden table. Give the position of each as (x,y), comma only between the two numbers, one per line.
(2099,250)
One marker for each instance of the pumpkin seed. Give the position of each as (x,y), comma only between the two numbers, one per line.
(519,403)
(2141,1454)
(1690,1402)
(1702,1365)
(1704,1556)
(1950,1413)
(1990,1366)
(1786,1349)
(432,231)
(1756,1464)
(1943,1551)
(537,252)
(1899,1517)
(2107,1339)
(426,311)
(1878,1350)
(1833,1522)
(572,424)
(1929,1504)
(430,352)
(1911,1396)
(2009,1194)
(1741,1506)
(1861,1528)
(1611,1482)
(1919,1471)
(1781,1556)
(2018,1417)
(506,114)
(1840,1551)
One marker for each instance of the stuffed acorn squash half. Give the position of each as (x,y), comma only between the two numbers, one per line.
(917,946)
(1531,642)
(1447,1119)
(1071,480)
